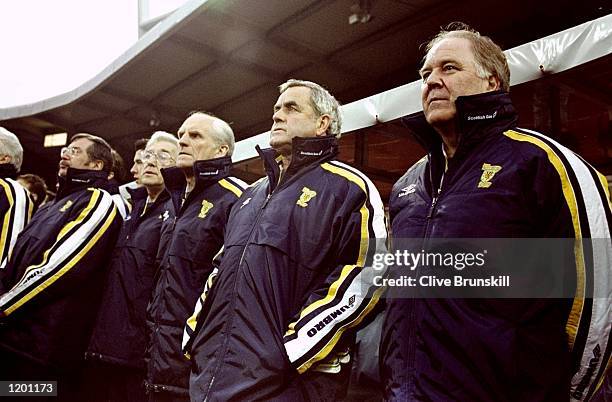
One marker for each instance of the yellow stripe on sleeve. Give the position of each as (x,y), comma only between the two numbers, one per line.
(332,342)
(570,198)
(606,189)
(363,245)
(7,217)
(67,267)
(81,217)
(231,187)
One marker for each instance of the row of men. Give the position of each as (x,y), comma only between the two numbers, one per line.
(272,280)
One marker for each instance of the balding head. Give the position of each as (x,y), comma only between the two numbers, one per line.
(203,137)
(11,150)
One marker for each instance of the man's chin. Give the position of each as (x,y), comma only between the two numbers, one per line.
(146,183)
(279,145)
(440,117)
(184,164)
(184,161)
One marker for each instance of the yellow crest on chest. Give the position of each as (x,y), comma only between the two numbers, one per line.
(206,206)
(307,195)
(488,171)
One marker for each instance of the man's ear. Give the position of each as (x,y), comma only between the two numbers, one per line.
(223,149)
(323,123)
(6,159)
(494,83)
(96,164)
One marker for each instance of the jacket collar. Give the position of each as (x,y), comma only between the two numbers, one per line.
(140,196)
(79,179)
(205,172)
(478,117)
(138,193)
(304,152)
(8,170)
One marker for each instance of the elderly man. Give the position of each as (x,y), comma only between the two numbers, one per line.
(202,195)
(485,178)
(277,323)
(52,278)
(15,204)
(118,343)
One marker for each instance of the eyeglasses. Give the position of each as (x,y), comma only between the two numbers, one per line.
(162,157)
(71,151)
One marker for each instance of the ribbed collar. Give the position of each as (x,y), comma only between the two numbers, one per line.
(8,170)
(205,172)
(305,151)
(478,117)
(79,179)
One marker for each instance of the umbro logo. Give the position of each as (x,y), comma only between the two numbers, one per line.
(164,216)
(66,206)
(245,202)
(407,190)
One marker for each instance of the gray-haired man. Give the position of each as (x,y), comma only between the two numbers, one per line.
(15,204)
(202,194)
(277,321)
(118,343)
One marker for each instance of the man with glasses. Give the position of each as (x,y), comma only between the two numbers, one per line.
(202,194)
(51,284)
(117,347)
(15,204)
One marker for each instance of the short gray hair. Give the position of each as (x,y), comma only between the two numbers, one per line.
(223,133)
(490,59)
(10,145)
(322,102)
(159,136)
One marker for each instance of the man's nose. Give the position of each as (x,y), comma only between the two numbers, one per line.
(277,116)
(183,141)
(433,79)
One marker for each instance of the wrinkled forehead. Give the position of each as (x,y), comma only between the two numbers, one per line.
(450,48)
(162,145)
(197,122)
(298,94)
(81,143)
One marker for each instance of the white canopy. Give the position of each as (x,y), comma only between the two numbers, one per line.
(549,55)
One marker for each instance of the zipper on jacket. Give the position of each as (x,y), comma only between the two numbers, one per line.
(435,193)
(259,213)
(281,184)
(432,207)
(210,384)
